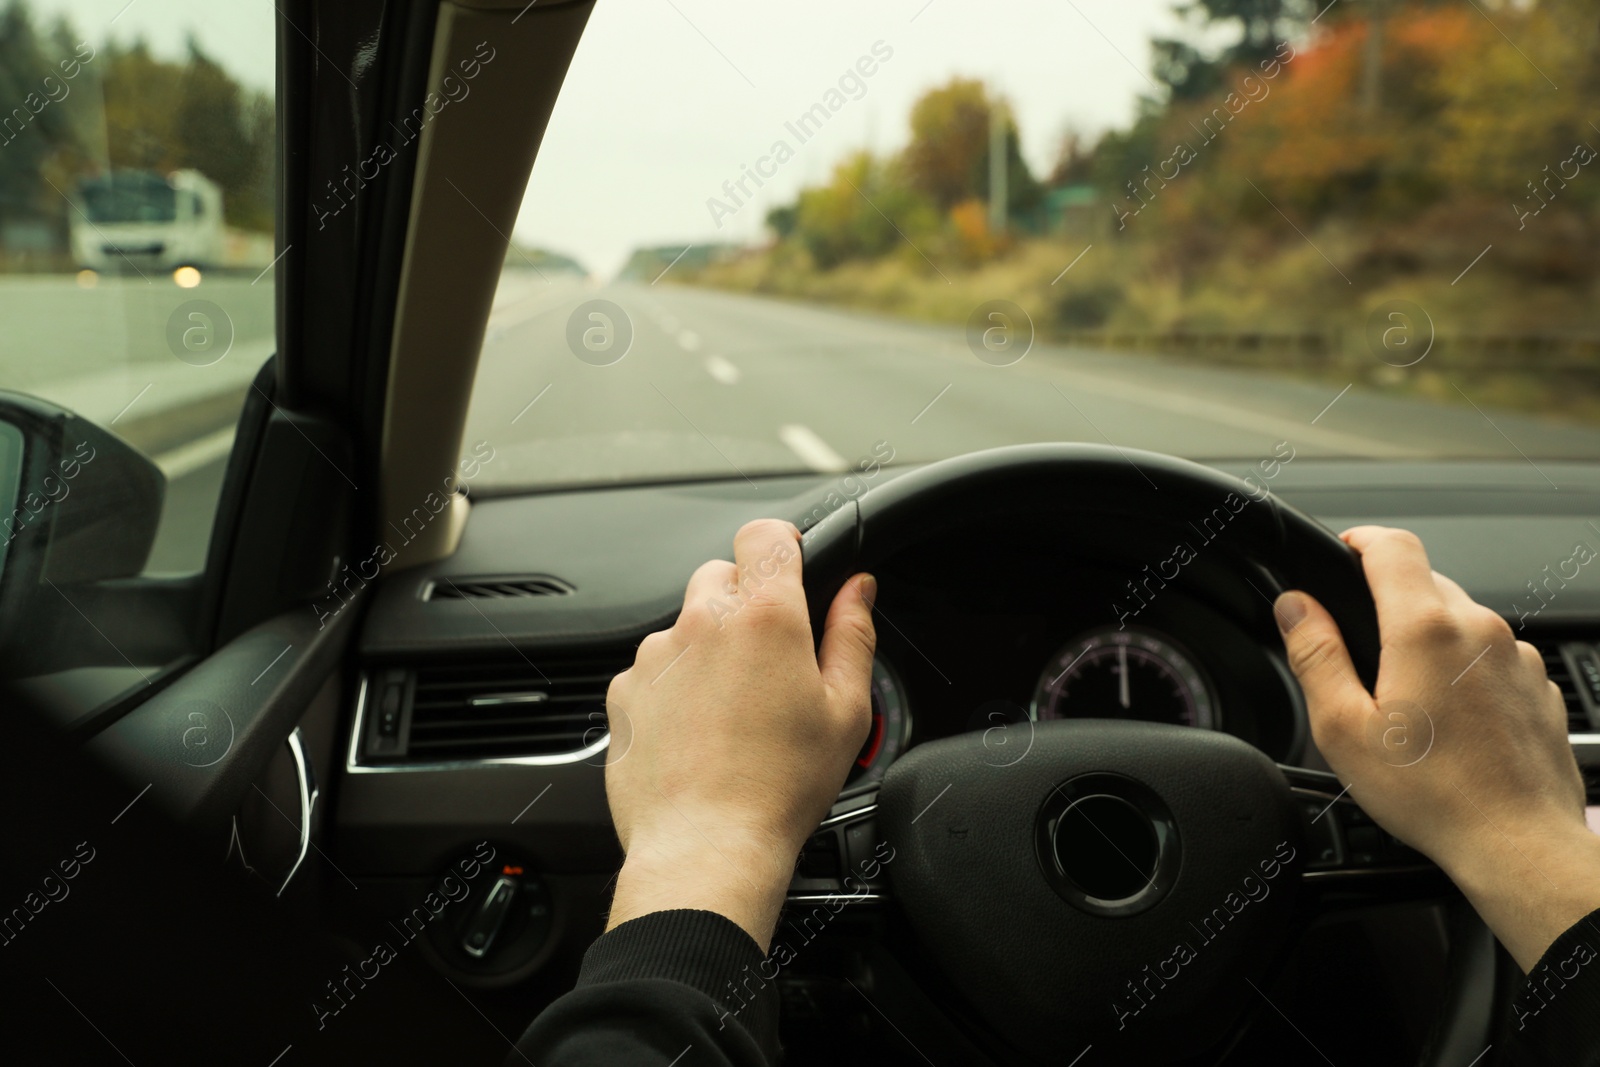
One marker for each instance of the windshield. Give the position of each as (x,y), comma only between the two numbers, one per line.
(834,237)
(132,197)
(137,263)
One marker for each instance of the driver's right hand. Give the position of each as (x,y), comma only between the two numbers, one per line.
(1462,751)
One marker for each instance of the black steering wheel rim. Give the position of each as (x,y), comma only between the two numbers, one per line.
(1295,550)
(936,874)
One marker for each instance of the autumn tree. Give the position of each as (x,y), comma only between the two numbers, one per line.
(862,212)
(33,123)
(1190,72)
(225,132)
(947,159)
(123,107)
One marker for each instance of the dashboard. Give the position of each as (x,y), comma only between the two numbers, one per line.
(1106,672)
(1035,636)
(477,709)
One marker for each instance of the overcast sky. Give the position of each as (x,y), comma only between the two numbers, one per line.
(667,99)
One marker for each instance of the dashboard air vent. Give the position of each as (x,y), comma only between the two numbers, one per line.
(508,588)
(554,706)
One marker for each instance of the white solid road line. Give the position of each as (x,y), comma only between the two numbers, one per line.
(722,370)
(812,450)
(201,452)
(689,340)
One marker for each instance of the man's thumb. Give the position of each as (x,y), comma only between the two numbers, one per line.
(1318,656)
(848,640)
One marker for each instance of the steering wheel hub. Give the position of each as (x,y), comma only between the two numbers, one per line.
(1122,885)
(1107,844)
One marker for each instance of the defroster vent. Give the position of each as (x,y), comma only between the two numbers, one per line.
(513,587)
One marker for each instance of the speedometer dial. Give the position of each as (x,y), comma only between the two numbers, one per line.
(1125,674)
(890,724)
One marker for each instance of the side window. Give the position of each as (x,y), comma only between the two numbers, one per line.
(136,212)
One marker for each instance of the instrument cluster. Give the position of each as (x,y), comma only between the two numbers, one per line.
(1107,672)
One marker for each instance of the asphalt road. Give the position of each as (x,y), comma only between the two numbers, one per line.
(107,351)
(730,385)
(722,385)
(56,331)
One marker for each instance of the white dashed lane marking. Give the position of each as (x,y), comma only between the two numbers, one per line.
(813,451)
(722,370)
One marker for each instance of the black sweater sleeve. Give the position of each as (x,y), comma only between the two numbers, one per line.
(1555,1016)
(663,986)
(688,988)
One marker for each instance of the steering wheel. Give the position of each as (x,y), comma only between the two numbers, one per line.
(1128,885)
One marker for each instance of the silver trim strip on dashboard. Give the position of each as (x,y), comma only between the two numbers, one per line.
(350,759)
(308,801)
(495,700)
(1586,747)
(848,816)
(353,764)
(1357,873)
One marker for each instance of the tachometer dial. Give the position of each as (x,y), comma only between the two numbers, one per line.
(1124,674)
(890,724)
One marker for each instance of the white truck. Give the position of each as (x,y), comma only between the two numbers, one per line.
(127,219)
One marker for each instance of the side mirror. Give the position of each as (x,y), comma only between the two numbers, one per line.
(78,507)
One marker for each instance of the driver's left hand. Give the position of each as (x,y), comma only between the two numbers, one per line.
(730,739)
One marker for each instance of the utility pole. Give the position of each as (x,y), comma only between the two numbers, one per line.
(1372,60)
(997,166)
